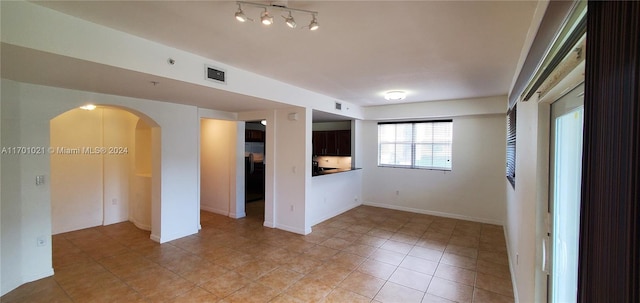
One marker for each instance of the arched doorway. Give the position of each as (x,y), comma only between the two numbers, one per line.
(101,168)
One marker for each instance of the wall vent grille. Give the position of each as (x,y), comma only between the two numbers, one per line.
(214,74)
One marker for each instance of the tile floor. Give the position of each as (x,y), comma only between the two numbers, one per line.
(367,254)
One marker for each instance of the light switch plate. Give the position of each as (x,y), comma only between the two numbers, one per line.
(39,179)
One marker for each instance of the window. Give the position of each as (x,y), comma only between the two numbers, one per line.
(425,144)
(511,146)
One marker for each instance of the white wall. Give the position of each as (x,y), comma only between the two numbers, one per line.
(218,166)
(28,109)
(91,189)
(526,204)
(292,168)
(333,194)
(472,190)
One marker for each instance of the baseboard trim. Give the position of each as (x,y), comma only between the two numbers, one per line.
(214,210)
(294,229)
(337,213)
(511,267)
(269,224)
(140,225)
(434,213)
(237,215)
(26,279)
(155,238)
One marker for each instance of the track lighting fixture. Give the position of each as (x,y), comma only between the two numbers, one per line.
(290,21)
(267,19)
(240,16)
(314,24)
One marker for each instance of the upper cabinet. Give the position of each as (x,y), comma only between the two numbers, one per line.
(253,135)
(332,143)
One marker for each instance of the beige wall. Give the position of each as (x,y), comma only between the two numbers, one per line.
(217,165)
(91,189)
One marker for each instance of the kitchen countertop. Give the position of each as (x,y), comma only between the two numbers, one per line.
(333,171)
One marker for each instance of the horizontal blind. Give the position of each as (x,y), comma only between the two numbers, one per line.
(511,145)
(423,144)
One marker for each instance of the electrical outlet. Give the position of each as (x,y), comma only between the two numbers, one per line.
(114,201)
(41,241)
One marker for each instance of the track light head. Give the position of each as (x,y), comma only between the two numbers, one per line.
(314,24)
(290,21)
(265,18)
(240,16)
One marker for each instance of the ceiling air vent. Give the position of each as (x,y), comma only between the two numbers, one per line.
(338,106)
(214,74)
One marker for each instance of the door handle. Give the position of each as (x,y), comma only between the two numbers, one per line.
(545,254)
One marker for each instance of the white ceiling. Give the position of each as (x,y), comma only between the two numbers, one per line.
(434,50)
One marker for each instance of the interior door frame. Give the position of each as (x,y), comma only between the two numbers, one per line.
(571,107)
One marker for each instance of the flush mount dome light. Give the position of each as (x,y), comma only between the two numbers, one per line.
(395,95)
(88,107)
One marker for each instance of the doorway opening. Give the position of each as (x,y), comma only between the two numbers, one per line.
(101,163)
(254,164)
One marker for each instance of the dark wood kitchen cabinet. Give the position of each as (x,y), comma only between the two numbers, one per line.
(253,135)
(332,143)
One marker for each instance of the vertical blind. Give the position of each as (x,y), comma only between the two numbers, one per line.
(424,144)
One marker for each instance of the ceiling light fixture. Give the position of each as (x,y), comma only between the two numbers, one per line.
(314,24)
(290,21)
(240,16)
(88,107)
(395,95)
(267,19)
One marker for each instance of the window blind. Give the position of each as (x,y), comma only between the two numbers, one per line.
(421,144)
(511,145)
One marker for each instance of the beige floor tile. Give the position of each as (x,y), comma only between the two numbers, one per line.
(494,284)
(377,269)
(339,295)
(429,298)
(196,295)
(456,274)
(253,292)
(450,290)
(459,261)
(226,284)
(362,284)
(394,293)
(419,265)
(426,253)
(342,260)
(411,279)
(387,256)
(397,246)
(280,278)
(485,296)
(309,290)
